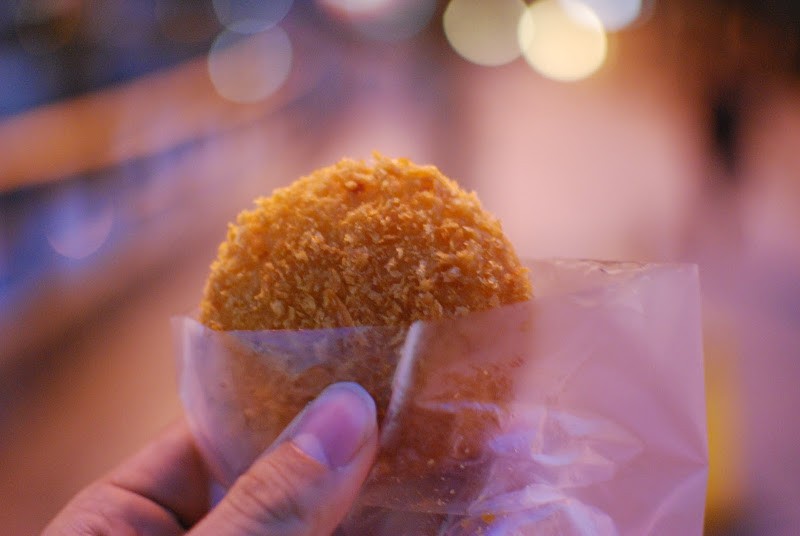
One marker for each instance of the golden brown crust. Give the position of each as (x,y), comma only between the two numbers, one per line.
(357,243)
(382,243)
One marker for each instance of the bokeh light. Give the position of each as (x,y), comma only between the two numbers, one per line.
(565,44)
(383,20)
(484,32)
(614,14)
(249,69)
(355,7)
(251,16)
(78,230)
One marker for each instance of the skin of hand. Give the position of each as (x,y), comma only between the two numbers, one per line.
(303,484)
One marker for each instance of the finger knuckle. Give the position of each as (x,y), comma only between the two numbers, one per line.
(272,493)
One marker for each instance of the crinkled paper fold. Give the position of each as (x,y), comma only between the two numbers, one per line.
(580,412)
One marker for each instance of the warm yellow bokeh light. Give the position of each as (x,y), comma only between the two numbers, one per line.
(562,44)
(484,32)
(252,68)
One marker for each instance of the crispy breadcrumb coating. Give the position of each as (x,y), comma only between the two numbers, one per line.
(384,243)
(381,243)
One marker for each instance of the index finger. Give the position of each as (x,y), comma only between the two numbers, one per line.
(169,472)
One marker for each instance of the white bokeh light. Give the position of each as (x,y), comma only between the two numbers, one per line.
(614,14)
(356,7)
(383,20)
(251,16)
(562,44)
(250,69)
(484,32)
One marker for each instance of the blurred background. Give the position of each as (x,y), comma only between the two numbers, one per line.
(131,132)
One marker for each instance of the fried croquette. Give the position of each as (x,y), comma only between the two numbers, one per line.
(378,244)
(362,244)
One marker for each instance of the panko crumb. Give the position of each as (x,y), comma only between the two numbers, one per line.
(381,243)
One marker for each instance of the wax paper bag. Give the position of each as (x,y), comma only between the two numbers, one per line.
(580,412)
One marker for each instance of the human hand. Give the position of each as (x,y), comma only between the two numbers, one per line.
(303,484)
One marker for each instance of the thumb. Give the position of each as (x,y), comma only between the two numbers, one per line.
(306,482)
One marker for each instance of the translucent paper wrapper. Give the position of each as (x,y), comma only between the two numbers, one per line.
(580,412)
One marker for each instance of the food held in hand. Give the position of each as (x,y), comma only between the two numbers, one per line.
(382,244)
